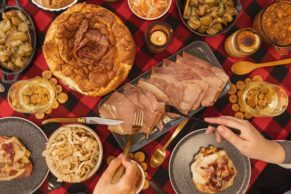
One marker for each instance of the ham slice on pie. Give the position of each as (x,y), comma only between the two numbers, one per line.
(212,170)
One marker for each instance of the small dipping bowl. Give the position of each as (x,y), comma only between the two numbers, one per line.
(53,9)
(142,178)
(147,18)
(158,36)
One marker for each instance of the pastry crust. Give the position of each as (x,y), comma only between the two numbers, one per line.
(212,170)
(89,49)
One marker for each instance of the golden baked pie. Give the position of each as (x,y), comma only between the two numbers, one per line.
(212,170)
(54,4)
(90,49)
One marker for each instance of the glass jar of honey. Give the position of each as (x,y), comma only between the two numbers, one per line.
(260,98)
(35,96)
(158,36)
(273,25)
(242,43)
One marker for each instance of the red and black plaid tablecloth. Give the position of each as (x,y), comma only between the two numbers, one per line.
(79,105)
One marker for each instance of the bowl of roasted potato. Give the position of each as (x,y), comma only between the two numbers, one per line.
(209,17)
(17,41)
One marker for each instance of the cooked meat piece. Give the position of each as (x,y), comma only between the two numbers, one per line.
(146,85)
(119,107)
(188,76)
(215,84)
(147,102)
(182,92)
(123,107)
(204,64)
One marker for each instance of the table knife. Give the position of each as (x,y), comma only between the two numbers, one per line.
(156,188)
(84,120)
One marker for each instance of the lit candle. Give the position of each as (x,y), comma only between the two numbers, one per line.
(159,38)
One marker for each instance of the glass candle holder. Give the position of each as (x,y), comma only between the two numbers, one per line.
(158,36)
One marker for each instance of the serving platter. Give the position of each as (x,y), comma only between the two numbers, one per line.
(183,156)
(197,48)
(34,140)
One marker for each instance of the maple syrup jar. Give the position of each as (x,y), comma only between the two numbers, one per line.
(158,36)
(242,43)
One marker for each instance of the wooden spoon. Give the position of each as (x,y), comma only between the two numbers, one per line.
(245,67)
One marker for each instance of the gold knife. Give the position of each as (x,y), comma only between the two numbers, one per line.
(84,120)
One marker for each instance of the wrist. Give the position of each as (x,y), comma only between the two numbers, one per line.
(275,153)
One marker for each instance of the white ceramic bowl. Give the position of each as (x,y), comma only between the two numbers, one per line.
(170,3)
(99,161)
(53,9)
(139,188)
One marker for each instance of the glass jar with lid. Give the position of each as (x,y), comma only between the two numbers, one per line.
(241,43)
(260,98)
(273,24)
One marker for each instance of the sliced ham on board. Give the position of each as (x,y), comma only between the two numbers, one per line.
(201,63)
(215,84)
(148,86)
(184,93)
(117,106)
(187,84)
(190,78)
(146,102)
(123,107)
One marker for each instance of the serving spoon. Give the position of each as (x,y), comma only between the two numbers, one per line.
(159,154)
(245,67)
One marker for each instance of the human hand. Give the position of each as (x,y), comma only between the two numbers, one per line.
(250,142)
(127,183)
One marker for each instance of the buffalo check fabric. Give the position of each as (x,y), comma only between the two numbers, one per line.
(78,105)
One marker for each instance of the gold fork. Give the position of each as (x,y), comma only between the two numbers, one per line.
(136,126)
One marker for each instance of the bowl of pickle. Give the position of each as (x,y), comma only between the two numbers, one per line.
(209,17)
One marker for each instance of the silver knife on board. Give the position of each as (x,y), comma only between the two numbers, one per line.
(84,120)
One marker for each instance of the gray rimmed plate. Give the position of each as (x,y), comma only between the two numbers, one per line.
(34,140)
(183,155)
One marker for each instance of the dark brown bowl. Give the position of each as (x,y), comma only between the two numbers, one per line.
(180,6)
(9,76)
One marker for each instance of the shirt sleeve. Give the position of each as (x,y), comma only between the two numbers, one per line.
(286,145)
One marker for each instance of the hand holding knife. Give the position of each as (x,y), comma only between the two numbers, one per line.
(84,120)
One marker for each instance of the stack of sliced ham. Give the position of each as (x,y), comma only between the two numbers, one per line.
(123,106)
(186,84)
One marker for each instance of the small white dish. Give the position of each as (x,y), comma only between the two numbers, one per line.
(170,3)
(53,9)
(142,178)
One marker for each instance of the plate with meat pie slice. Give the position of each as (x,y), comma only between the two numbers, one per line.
(22,167)
(199,164)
